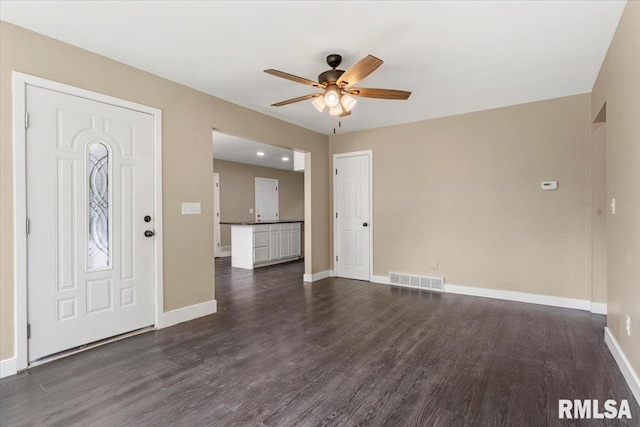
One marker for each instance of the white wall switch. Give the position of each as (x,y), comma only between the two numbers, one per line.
(191,209)
(433,265)
(613,206)
(549,185)
(250,210)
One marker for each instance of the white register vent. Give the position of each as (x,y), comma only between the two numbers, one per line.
(417,281)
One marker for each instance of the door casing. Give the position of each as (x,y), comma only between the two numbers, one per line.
(19,85)
(217,239)
(257,196)
(368,153)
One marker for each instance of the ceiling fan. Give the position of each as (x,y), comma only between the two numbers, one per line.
(338,86)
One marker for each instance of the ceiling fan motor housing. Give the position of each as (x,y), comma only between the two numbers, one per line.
(330,76)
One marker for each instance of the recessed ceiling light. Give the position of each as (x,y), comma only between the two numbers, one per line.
(260,153)
(286,159)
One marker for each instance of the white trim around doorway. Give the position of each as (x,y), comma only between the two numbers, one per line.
(19,86)
(368,153)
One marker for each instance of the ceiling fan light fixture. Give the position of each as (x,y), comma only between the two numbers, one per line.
(336,111)
(332,96)
(348,102)
(319,103)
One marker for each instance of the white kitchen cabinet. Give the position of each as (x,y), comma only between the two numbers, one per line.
(259,244)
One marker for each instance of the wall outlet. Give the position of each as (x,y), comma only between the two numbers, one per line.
(627,325)
(433,265)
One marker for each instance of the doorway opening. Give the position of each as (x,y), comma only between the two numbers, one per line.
(599,209)
(260,205)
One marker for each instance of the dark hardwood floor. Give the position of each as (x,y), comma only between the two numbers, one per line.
(335,352)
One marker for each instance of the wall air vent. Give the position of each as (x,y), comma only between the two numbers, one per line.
(416,281)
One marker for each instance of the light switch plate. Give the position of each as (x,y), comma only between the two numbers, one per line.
(191,209)
(251,210)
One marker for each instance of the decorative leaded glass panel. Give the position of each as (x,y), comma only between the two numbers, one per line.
(98,206)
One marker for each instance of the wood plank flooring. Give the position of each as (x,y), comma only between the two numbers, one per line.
(335,352)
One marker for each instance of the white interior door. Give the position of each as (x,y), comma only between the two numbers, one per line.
(89,188)
(352,220)
(216,215)
(266,199)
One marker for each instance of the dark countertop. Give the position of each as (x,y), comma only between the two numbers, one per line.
(286,221)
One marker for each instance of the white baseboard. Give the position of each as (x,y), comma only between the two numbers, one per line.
(380,279)
(316,276)
(191,312)
(623,364)
(8,367)
(599,308)
(578,304)
(332,273)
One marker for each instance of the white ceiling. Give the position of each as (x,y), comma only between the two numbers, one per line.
(456,56)
(240,150)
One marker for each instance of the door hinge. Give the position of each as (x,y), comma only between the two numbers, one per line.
(218,214)
(28,226)
(336,258)
(276,188)
(217,185)
(28,330)
(336,171)
(276,214)
(26,120)
(336,214)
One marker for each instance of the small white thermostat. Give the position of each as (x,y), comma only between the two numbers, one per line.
(549,185)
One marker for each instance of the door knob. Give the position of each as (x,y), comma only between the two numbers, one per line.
(366,224)
(149,233)
(147,218)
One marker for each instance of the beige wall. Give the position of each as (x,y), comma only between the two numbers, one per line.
(237,193)
(618,85)
(465,191)
(188,119)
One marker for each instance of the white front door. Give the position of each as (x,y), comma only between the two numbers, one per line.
(89,189)
(216,215)
(266,199)
(352,220)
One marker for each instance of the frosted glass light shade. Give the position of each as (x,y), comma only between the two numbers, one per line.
(348,102)
(336,111)
(332,97)
(319,103)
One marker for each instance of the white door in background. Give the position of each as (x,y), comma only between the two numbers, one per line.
(89,187)
(266,199)
(352,220)
(216,215)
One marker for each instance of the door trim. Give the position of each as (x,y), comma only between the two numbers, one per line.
(255,195)
(217,238)
(368,153)
(19,134)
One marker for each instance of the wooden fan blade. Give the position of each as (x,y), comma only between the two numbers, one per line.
(298,99)
(359,71)
(296,79)
(345,113)
(367,92)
